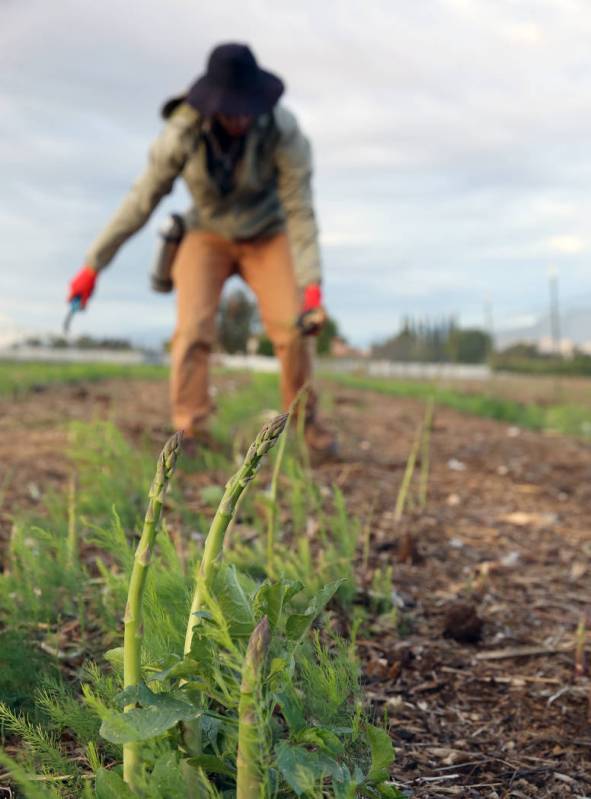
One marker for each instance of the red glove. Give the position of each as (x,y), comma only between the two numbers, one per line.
(312,297)
(83,285)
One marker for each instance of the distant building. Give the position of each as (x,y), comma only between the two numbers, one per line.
(546,346)
(340,349)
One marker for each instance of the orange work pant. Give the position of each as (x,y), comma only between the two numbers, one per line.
(202,265)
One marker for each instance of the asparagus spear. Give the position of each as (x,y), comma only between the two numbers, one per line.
(249,778)
(132,641)
(214,543)
(212,552)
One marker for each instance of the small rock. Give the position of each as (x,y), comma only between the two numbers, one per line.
(455,465)
(578,570)
(396,703)
(510,560)
(377,668)
(453,500)
(527,519)
(34,491)
(462,623)
(408,551)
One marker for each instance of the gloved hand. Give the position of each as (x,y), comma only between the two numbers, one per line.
(313,316)
(82,286)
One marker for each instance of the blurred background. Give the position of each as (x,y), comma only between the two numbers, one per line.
(451,148)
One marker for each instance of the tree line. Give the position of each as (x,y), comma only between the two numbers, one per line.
(439,341)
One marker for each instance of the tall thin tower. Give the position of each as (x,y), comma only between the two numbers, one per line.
(554,310)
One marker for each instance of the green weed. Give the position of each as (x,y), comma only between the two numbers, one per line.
(567,419)
(17,378)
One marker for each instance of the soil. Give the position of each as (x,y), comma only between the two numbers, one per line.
(479,675)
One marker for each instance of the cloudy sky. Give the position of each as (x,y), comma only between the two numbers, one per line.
(452,144)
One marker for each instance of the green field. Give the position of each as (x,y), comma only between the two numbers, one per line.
(561,417)
(17,377)
(530,402)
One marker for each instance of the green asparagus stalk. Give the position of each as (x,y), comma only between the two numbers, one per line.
(273,505)
(73,548)
(214,542)
(366,537)
(301,402)
(408,475)
(249,778)
(132,641)
(426,455)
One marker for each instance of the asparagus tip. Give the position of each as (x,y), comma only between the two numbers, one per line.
(166,465)
(170,453)
(259,642)
(270,433)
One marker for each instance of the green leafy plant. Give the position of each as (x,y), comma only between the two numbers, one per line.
(230,714)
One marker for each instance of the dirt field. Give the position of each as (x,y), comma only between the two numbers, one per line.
(506,541)
(525,388)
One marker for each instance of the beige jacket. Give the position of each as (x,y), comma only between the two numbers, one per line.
(272,189)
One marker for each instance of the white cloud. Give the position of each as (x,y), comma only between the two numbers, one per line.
(567,244)
(526,33)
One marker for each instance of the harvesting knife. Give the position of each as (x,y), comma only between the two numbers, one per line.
(75,306)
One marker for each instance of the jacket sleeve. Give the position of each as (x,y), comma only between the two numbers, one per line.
(293,161)
(167,159)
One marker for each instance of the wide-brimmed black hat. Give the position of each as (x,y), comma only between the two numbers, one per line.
(234,84)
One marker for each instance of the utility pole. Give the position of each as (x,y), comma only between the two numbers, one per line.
(489,322)
(554,310)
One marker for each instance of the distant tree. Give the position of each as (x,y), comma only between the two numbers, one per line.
(470,345)
(89,342)
(526,358)
(422,341)
(435,342)
(521,350)
(58,343)
(265,346)
(329,331)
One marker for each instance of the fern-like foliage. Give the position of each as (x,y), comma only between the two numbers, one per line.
(41,744)
(65,712)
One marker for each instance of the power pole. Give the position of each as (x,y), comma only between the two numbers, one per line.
(489,322)
(554,310)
